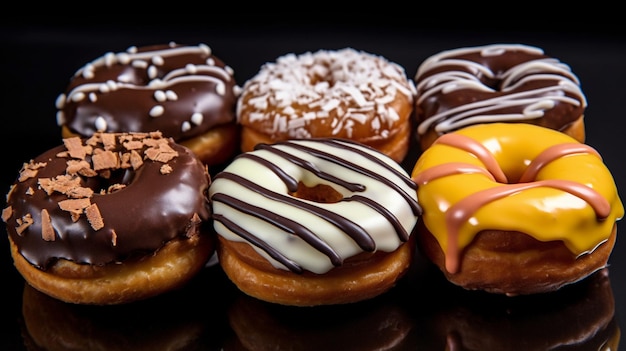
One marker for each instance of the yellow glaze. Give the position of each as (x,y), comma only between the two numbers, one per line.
(549,206)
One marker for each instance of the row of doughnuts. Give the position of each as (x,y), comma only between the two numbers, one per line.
(191,95)
(314,207)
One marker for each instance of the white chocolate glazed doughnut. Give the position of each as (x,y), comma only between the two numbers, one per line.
(308,207)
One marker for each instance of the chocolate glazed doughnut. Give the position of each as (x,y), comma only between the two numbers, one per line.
(185,92)
(496,83)
(110,219)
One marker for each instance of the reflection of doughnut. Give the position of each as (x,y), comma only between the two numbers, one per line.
(578,317)
(371,325)
(185,92)
(496,83)
(110,219)
(159,324)
(317,221)
(515,208)
(342,94)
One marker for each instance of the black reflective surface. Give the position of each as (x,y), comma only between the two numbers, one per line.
(423,312)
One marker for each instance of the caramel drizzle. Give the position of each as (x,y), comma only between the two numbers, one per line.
(354,230)
(462,211)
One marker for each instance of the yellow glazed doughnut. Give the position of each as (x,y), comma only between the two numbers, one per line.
(515,208)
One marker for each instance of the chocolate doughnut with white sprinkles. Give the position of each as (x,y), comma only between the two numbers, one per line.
(185,92)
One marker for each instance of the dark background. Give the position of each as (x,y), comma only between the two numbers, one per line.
(39,56)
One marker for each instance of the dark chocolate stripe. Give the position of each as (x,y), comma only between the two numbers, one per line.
(285,224)
(370,173)
(352,147)
(402,234)
(309,167)
(292,184)
(291,265)
(356,232)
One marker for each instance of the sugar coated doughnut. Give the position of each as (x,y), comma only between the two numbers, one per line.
(496,83)
(183,91)
(513,214)
(110,219)
(329,93)
(314,222)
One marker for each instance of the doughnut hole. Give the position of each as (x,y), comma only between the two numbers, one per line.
(319,193)
(110,181)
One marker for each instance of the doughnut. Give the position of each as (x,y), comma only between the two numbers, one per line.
(496,83)
(185,92)
(329,93)
(515,215)
(110,219)
(308,222)
(580,317)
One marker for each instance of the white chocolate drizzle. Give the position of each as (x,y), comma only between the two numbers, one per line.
(522,104)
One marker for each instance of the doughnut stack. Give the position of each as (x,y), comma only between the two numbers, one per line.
(310,204)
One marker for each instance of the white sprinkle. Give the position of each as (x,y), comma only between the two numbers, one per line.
(359,117)
(104,88)
(237,90)
(60,101)
(93,97)
(171,95)
(112,85)
(124,78)
(60,118)
(79,96)
(139,64)
(205,48)
(197,118)
(230,70)
(220,89)
(101,124)
(160,96)
(330,105)
(375,123)
(88,71)
(152,72)
(123,58)
(132,49)
(191,68)
(186,126)
(296,123)
(157,111)
(109,59)
(158,60)
(156,83)
(210,61)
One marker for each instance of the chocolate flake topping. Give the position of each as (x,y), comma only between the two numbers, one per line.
(106,156)
(47,231)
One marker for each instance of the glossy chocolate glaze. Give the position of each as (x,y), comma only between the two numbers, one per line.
(496,83)
(150,210)
(182,91)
